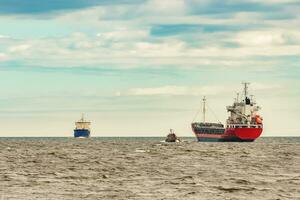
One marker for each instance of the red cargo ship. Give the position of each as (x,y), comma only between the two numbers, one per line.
(243,124)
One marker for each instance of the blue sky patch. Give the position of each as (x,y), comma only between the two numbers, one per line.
(175,29)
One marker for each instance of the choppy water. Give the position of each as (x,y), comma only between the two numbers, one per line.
(144,168)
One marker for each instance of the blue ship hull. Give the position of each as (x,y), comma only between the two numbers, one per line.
(81,133)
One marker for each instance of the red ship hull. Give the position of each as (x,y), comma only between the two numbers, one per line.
(245,133)
(230,135)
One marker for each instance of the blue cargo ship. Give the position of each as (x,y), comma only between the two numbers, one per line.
(82,129)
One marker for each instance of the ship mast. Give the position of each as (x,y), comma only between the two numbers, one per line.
(204,108)
(246,84)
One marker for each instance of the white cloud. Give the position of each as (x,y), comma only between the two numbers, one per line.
(19,48)
(165,90)
(124,35)
(267,38)
(3,57)
(4,37)
(166,8)
(172,90)
(114,50)
(210,90)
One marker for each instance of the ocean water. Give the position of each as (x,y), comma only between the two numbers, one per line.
(145,168)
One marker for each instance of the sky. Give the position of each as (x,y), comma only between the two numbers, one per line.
(141,67)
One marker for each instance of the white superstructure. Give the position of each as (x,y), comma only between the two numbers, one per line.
(244,112)
(82,124)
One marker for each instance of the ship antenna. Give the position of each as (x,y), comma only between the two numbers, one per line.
(82,117)
(204,109)
(237,97)
(246,84)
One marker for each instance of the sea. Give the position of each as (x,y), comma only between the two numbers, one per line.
(147,168)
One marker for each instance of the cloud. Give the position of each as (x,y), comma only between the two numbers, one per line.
(171,90)
(19,48)
(3,57)
(165,90)
(165,8)
(268,37)
(4,37)
(210,90)
(124,34)
(131,48)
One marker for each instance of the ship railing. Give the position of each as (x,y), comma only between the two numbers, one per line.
(244,125)
(209,125)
